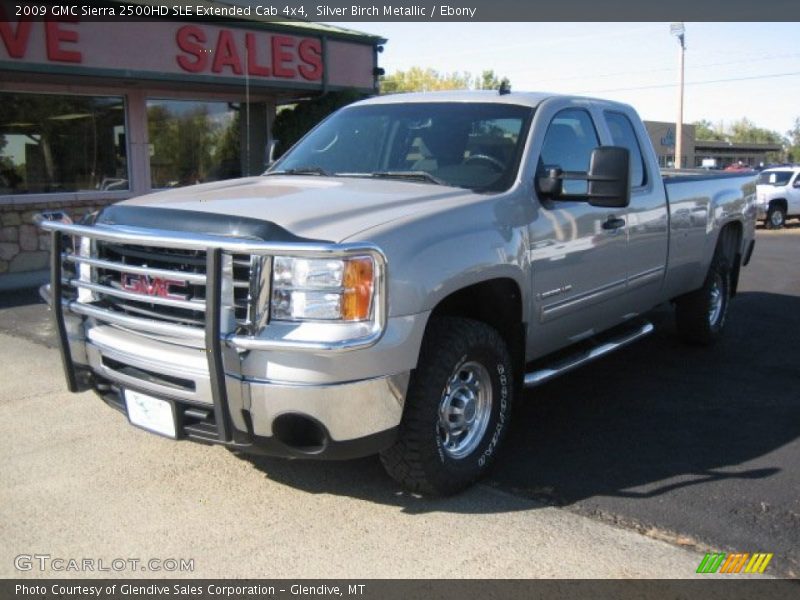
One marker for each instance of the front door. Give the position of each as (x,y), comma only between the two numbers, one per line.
(793,193)
(577,251)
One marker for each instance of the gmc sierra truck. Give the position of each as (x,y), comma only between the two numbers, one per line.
(392,283)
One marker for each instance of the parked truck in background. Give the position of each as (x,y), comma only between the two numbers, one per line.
(778,195)
(394,281)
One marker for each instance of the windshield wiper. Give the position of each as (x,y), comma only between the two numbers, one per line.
(413,175)
(302,171)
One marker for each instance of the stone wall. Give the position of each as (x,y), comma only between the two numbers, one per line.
(23,246)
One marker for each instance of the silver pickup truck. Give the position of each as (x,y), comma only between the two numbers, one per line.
(393,282)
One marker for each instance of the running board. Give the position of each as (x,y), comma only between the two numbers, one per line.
(569,363)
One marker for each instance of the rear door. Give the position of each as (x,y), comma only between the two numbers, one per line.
(646,217)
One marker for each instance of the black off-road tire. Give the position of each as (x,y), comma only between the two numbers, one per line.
(776,217)
(696,322)
(420,460)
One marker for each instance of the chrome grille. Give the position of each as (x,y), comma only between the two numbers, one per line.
(178,263)
(179,273)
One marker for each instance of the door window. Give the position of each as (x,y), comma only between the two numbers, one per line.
(568,145)
(622,134)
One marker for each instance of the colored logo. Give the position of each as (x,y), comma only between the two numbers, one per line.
(153,286)
(737,562)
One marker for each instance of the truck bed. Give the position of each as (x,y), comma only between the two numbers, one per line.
(700,201)
(679,175)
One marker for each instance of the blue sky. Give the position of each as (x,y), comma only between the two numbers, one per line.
(630,62)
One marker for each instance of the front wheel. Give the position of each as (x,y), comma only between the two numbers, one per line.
(700,315)
(776,217)
(457,408)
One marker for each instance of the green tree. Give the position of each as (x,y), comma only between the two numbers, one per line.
(741,130)
(706,131)
(488,80)
(744,130)
(419,79)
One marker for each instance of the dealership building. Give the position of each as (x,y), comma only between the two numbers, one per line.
(698,153)
(95,112)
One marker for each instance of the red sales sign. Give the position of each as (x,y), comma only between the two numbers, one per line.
(260,54)
(166,47)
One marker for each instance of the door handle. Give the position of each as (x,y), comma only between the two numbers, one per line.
(614,223)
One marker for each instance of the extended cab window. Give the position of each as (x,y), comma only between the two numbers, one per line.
(568,145)
(464,144)
(776,178)
(622,134)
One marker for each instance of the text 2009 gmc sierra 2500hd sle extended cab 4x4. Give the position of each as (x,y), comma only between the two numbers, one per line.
(394,280)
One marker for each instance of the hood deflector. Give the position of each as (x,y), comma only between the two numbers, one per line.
(170,219)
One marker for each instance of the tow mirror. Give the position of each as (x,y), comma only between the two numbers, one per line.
(608,179)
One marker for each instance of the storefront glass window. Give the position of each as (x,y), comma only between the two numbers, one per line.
(192,142)
(61,143)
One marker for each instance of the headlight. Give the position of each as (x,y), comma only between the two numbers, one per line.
(322,289)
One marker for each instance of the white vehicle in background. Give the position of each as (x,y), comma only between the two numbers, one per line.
(778,195)
(709,163)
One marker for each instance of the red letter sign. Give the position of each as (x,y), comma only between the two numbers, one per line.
(191,39)
(15,41)
(280,56)
(54,36)
(253,68)
(311,54)
(226,54)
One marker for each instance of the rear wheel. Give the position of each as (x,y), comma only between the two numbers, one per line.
(700,315)
(776,217)
(457,408)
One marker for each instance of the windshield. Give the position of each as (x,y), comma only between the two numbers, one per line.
(774,177)
(469,145)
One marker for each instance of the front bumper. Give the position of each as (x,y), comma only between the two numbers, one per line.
(295,422)
(223,388)
(319,420)
(325,421)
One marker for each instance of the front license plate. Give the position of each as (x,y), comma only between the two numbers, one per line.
(151,413)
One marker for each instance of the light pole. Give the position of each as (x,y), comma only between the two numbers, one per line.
(679,31)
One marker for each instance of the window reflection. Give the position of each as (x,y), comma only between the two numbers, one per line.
(192,142)
(62,143)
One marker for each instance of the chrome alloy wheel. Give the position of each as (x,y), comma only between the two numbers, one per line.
(465,409)
(776,218)
(715,305)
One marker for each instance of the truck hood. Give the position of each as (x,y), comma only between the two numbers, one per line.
(321,208)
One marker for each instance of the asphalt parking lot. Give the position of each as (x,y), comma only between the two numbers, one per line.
(698,446)
(644,460)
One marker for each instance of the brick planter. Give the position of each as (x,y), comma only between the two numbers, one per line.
(23,246)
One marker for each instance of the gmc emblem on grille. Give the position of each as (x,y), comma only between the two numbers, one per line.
(153,286)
